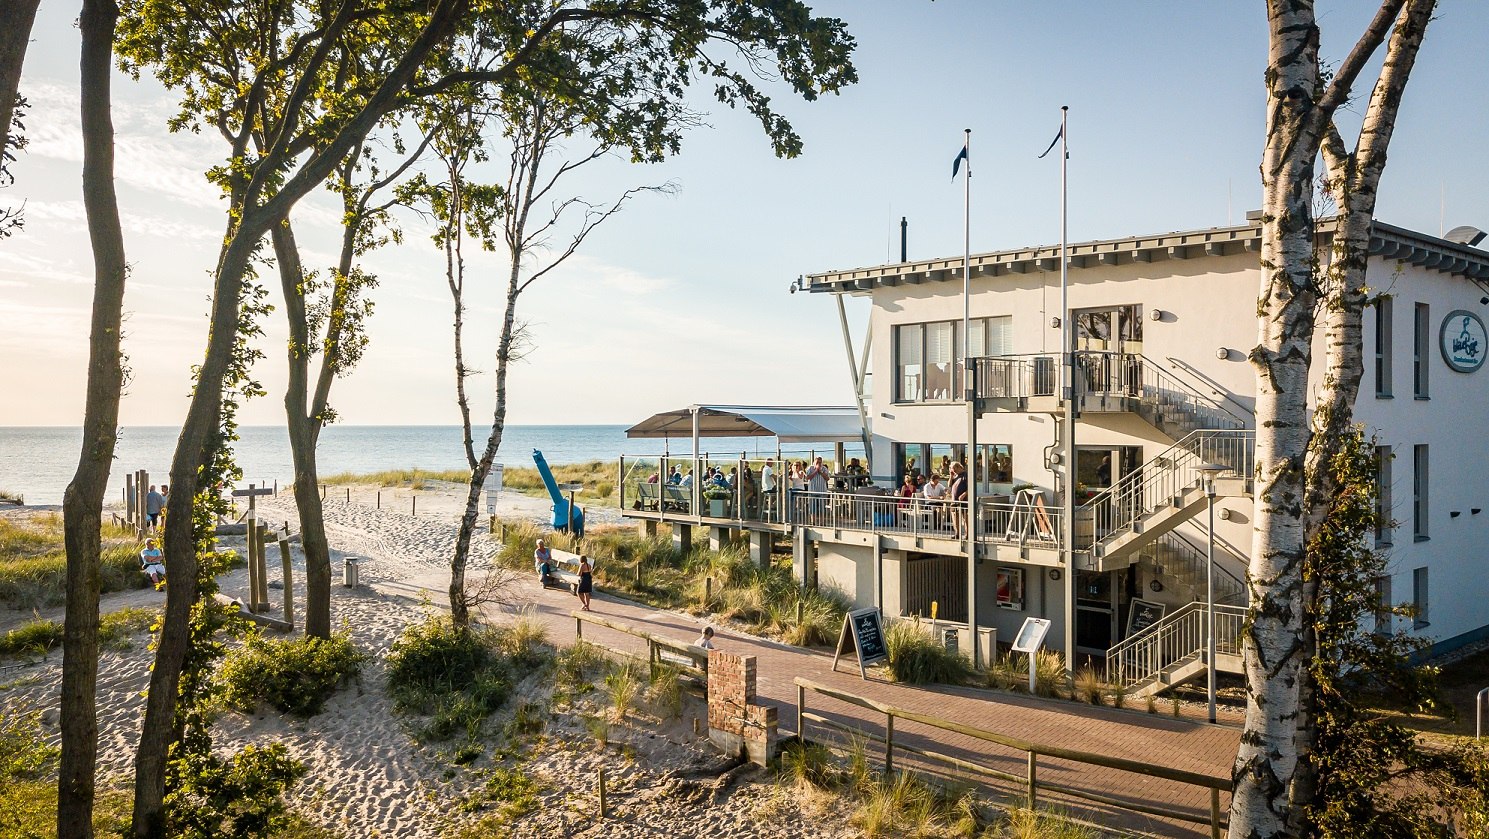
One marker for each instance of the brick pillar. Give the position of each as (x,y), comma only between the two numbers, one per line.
(736,723)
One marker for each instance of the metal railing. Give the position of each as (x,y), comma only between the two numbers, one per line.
(1157,483)
(1029,780)
(1140,384)
(997,521)
(645,486)
(1177,636)
(1174,549)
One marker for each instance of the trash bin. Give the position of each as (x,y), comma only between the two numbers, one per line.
(351,572)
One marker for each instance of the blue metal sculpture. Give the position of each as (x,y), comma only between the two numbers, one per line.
(562,516)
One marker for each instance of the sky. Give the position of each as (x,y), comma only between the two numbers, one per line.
(684,299)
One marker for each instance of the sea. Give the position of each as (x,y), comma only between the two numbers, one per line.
(38,462)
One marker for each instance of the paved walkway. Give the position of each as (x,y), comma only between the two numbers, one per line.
(1135,735)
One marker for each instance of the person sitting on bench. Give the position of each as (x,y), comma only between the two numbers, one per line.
(152,562)
(546,577)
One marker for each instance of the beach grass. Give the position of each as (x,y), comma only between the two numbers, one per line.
(597,476)
(8,497)
(116,631)
(723,583)
(33,562)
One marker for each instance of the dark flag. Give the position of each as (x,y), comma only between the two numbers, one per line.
(1058,135)
(956,164)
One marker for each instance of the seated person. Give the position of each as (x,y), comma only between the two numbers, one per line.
(907,491)
(545,576)
(541,554)
(152,562)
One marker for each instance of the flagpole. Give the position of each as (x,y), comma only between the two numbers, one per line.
(1068,392)
(969,384)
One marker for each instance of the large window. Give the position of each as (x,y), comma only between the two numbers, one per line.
(928,356)
(1384,620)
(1419,487)
(1420,352)
(994,463)
(910,349)
(1382,495)
(1383,348)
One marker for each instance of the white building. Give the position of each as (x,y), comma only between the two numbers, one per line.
(1162,327)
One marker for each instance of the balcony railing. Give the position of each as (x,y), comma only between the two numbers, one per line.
(1103,380)
(751,495)
(997,521)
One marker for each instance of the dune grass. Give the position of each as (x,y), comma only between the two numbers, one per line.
(116,631)
(723,583)
(8,497)
(33,563)
(597,476)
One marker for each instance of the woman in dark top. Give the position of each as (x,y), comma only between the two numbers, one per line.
(586,582)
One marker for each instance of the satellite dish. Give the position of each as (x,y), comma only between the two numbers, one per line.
(1466,235)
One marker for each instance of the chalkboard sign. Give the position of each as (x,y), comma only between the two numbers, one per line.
(1144,614)
(863,633)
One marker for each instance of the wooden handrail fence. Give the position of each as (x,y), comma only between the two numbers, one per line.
(655,644)
(1217,820)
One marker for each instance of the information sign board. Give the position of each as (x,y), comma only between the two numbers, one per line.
(863,633)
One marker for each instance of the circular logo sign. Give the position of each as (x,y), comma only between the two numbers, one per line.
(1463,341)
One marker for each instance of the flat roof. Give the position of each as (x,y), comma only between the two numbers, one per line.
(1386,241)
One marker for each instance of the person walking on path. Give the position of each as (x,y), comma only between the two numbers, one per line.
(154,503)
(586,583)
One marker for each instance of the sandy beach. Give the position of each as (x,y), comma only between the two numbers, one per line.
(367,776)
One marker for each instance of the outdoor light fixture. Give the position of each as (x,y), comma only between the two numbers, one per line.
(1157,314)
(1222,353)
(1055,322)
(1225,514)
(1054,573)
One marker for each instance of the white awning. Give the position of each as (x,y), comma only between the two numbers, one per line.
(790,424)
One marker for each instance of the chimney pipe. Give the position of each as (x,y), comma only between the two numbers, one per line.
(904,232)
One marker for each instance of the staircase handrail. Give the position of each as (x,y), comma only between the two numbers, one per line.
(1115,508)
(1201,554)
(1176,384)
(1179,364)
(1179,634)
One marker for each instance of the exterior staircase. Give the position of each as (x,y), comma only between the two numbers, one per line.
(1160,495)
(1172,651)
(1178,558)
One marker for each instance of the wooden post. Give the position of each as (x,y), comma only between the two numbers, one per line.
(800,612)
(604,807)
(129,497)
(889,744)
(638,570)
(578,629)
(276,487)
(651,654)
(323,492)
(1032,783)
(1214,813)
(348,495)
(416,506)
(379,499)
(801,702)
(251,529)
(707,591)
(265,532)
(289,582)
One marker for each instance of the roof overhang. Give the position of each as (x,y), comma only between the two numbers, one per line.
(790,424)
(1386,242)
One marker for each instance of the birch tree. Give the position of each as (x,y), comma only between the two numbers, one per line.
(82,502)
(16,20)
(1301,103)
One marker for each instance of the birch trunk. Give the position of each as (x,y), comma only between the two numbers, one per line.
(1354,180)
(83,502)
(1299,109)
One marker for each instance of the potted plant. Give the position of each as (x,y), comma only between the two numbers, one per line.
(718,500)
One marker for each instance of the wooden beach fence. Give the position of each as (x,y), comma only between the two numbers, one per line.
(1030,782)
(659,650)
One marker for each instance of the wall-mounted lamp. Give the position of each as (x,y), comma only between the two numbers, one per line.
(1224,514)
(1054,573)
(1222,353)
(1157,314)
(1054,323)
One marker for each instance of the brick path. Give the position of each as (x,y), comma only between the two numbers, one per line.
(1135,735)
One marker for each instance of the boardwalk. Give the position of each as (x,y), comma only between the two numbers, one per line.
(1162,739)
